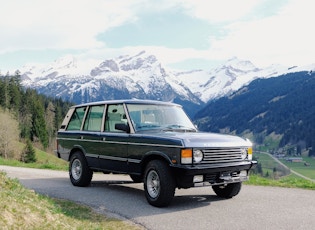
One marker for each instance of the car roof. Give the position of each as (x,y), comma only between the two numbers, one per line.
(128,101)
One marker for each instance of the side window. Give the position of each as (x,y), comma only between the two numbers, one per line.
(115,115)
(94,119)
(76,119)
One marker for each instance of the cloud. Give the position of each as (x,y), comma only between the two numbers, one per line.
(263,31)
(285,37)
(75,24)
(219,11)
(71,24)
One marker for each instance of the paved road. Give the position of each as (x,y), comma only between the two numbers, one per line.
(198,208)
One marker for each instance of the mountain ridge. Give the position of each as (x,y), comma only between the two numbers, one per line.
(142,76)
(280,105)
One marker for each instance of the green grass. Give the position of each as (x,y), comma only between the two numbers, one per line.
(24,209)
(44,161)
(308,171)
(291,181)
(287,179)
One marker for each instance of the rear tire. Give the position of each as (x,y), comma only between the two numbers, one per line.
(227,191)
(159,184)
(79,172)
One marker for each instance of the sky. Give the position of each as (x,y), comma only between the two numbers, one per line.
(183,34)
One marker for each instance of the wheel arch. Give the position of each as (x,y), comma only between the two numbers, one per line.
(154,155)
(76,148)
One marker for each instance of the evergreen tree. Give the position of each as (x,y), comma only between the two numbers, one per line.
(2,93)
(38,116)
(50,121)
(28,154)
(38,129)
(14,92)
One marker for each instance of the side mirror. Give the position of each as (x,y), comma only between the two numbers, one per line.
(122,127)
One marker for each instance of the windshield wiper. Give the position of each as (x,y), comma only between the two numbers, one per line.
(148,126)
(179,127)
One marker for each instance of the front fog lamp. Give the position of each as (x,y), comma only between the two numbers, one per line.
(198,156)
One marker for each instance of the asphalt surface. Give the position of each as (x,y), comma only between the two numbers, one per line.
(256,207)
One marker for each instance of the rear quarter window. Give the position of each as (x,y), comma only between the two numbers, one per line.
(76,119)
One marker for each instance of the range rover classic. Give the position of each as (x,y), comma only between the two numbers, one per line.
(155,143)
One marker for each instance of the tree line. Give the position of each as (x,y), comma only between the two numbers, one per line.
(38,116)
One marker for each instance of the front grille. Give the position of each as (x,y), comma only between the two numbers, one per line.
(221,155)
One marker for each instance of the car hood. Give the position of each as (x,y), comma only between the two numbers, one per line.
(204,140)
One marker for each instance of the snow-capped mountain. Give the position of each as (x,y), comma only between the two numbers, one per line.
(142,76)
(229,77)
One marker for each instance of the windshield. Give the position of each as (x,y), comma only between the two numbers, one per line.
(165,117)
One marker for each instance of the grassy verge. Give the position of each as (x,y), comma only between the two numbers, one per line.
(24,209)
(290,181)
(44,161)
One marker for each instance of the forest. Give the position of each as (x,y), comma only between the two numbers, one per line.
(37,116)
(282,106)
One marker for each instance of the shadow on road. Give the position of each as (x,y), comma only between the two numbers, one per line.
(131,195)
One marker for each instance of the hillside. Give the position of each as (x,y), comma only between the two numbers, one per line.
(282,105)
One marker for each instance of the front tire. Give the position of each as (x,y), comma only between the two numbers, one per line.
(79,172)
(159,184)
(227,191)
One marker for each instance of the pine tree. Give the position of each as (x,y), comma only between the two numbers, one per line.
(38,124)
(15,89)
(28,154)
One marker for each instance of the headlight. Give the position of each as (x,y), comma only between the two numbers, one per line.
(198,156)
(243,154)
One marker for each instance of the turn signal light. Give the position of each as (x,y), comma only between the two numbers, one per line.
(186,156)
(250,153)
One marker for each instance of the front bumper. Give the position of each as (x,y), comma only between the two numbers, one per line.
(214,174)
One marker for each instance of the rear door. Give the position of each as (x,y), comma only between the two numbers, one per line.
(90,137)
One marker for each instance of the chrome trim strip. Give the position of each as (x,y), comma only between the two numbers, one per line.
(113,158)
(134,161)
(91,155)
(121,143)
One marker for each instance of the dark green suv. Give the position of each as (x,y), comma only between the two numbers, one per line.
(155,143)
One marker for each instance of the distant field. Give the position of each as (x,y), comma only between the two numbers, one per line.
(269,166)
(275,174)
(308,171)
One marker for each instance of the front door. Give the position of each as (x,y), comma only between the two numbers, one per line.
(114,152)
